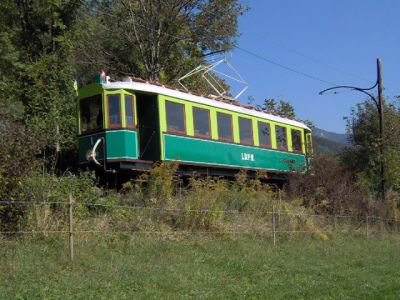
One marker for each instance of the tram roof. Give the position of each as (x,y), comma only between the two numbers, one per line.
(219,102)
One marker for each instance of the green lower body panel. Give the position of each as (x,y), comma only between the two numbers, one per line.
(200,151)
(120,144)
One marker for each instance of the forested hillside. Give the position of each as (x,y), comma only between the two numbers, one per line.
(323,145)
(340,138)
(326,142)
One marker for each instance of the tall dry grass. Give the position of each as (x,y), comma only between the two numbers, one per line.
(158,201)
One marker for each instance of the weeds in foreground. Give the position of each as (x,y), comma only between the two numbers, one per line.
(159,202)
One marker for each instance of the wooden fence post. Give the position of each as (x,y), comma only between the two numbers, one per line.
(273,224)
(280,207)
(71,229)
(334,222)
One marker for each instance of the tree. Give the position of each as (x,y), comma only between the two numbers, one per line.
(364,157)
(282,108)
(156,40)
(270,105)
(36,70)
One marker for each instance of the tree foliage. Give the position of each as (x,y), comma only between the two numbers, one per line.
(37,72)
(364,157)
(281,107)
(156,40)
(284,109)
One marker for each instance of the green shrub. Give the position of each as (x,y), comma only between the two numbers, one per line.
(42,201)
(159,185)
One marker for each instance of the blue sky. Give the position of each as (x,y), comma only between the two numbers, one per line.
(344,37)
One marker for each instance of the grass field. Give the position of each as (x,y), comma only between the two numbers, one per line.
(201,267)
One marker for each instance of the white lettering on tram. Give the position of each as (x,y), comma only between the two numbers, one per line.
(248,156)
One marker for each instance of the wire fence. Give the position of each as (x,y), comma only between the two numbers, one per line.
(78,218)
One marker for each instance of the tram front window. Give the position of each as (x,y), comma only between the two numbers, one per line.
(91,114)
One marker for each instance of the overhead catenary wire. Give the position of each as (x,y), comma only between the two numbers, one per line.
(319,62)
(316,61)
(308,57)
(287,68)
(258,56)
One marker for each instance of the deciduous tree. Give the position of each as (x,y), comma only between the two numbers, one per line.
(364,157)
(154,39)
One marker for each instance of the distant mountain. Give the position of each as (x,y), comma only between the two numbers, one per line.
(329,142)
(333,136)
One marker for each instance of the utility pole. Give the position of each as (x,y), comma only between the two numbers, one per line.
(380,107)
(381,129)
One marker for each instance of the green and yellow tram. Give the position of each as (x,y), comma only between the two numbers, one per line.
(126,126)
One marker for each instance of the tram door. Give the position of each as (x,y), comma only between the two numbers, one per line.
(148,127)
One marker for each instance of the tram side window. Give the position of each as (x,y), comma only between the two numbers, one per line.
(309,149)
(296,140)
(175,117)
(114,110)
(201,122)
(129,111)
(281,137)
(245,131)
(224,126)
(264,134)
(91,114)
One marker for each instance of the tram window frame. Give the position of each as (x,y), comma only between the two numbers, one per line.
(85,104)
(241,131)
(260,134)
(167,116)
(277,137)
(114,125)
(132,100)
(219,124)
(308,143)
(202,110)
(299,148)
